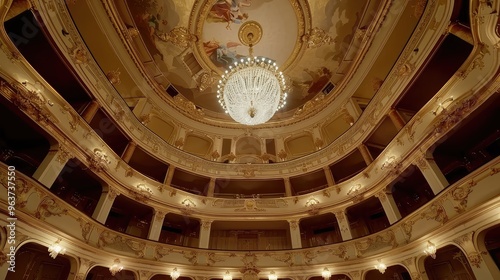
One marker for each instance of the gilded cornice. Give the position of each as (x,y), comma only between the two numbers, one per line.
(75,130)
(40,210)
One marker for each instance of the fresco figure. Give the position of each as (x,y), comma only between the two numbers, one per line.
(229,11)
(221,55)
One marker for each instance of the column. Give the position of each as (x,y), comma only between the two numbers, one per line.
(412,267)
(432,174)
(211,187)
(390,208)
(365,153)
(5,266)
(345,229)
(473,256)
(280,146)
(396,119)
(217,147)
(462,32)
(104,205)
(156,225)
(82,269)
(170,175)
(90,111)
(205,227)
(329,176)
(129,151)
(295,234)
(355,275)
(52,165)
(288,187)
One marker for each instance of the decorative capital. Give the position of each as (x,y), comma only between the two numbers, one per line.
(63,155)
(98,161)
(114,77)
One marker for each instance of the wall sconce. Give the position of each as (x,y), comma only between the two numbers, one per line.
(311,202)
(355,190)
(441,105)
(175,274)
(227,276)
(272,276)
(116,267)
(102,156)
(430,250)
(56,249)
(188,203)
(37,87)
(381,267)
(389,162)
(144,189)
(326,274)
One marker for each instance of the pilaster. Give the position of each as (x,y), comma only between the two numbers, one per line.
(90,111)
(205,227)
(104,204)
(345,229)
(390,208)
(156,225)
(52,165)
(129,151)
(432,174)
(475,258)
(295,234)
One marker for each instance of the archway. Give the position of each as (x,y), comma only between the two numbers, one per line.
(450,263)
(33,262)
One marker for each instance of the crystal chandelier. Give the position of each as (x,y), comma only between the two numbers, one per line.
(116,267)
(56,249)
(253,88)
(175,274)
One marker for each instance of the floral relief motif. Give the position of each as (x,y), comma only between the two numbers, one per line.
(435,212)
(98,161)
(407,228)
(450,118)
(86,228)
(107,238)
(213,258)
(136,246)
(63,155)
(32,103)
(78,54)
(340,251)
(460,194)
(385,238)
(188,106)
(114,77)
(49,207)
(317,38)
(309,256)
(3,258)
(286,258)
(161,251)
(22,189)
(475,259)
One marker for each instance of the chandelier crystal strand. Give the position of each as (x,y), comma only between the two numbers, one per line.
(252,90)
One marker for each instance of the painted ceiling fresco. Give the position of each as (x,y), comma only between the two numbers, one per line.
(166,28)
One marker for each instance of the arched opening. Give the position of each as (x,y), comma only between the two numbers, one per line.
(394,272)
(167,277)
(488,241)
(103,273)
(33,262)
(450,263)
(333,277)
(22,143)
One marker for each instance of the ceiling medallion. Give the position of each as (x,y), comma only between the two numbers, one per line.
(252,89)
